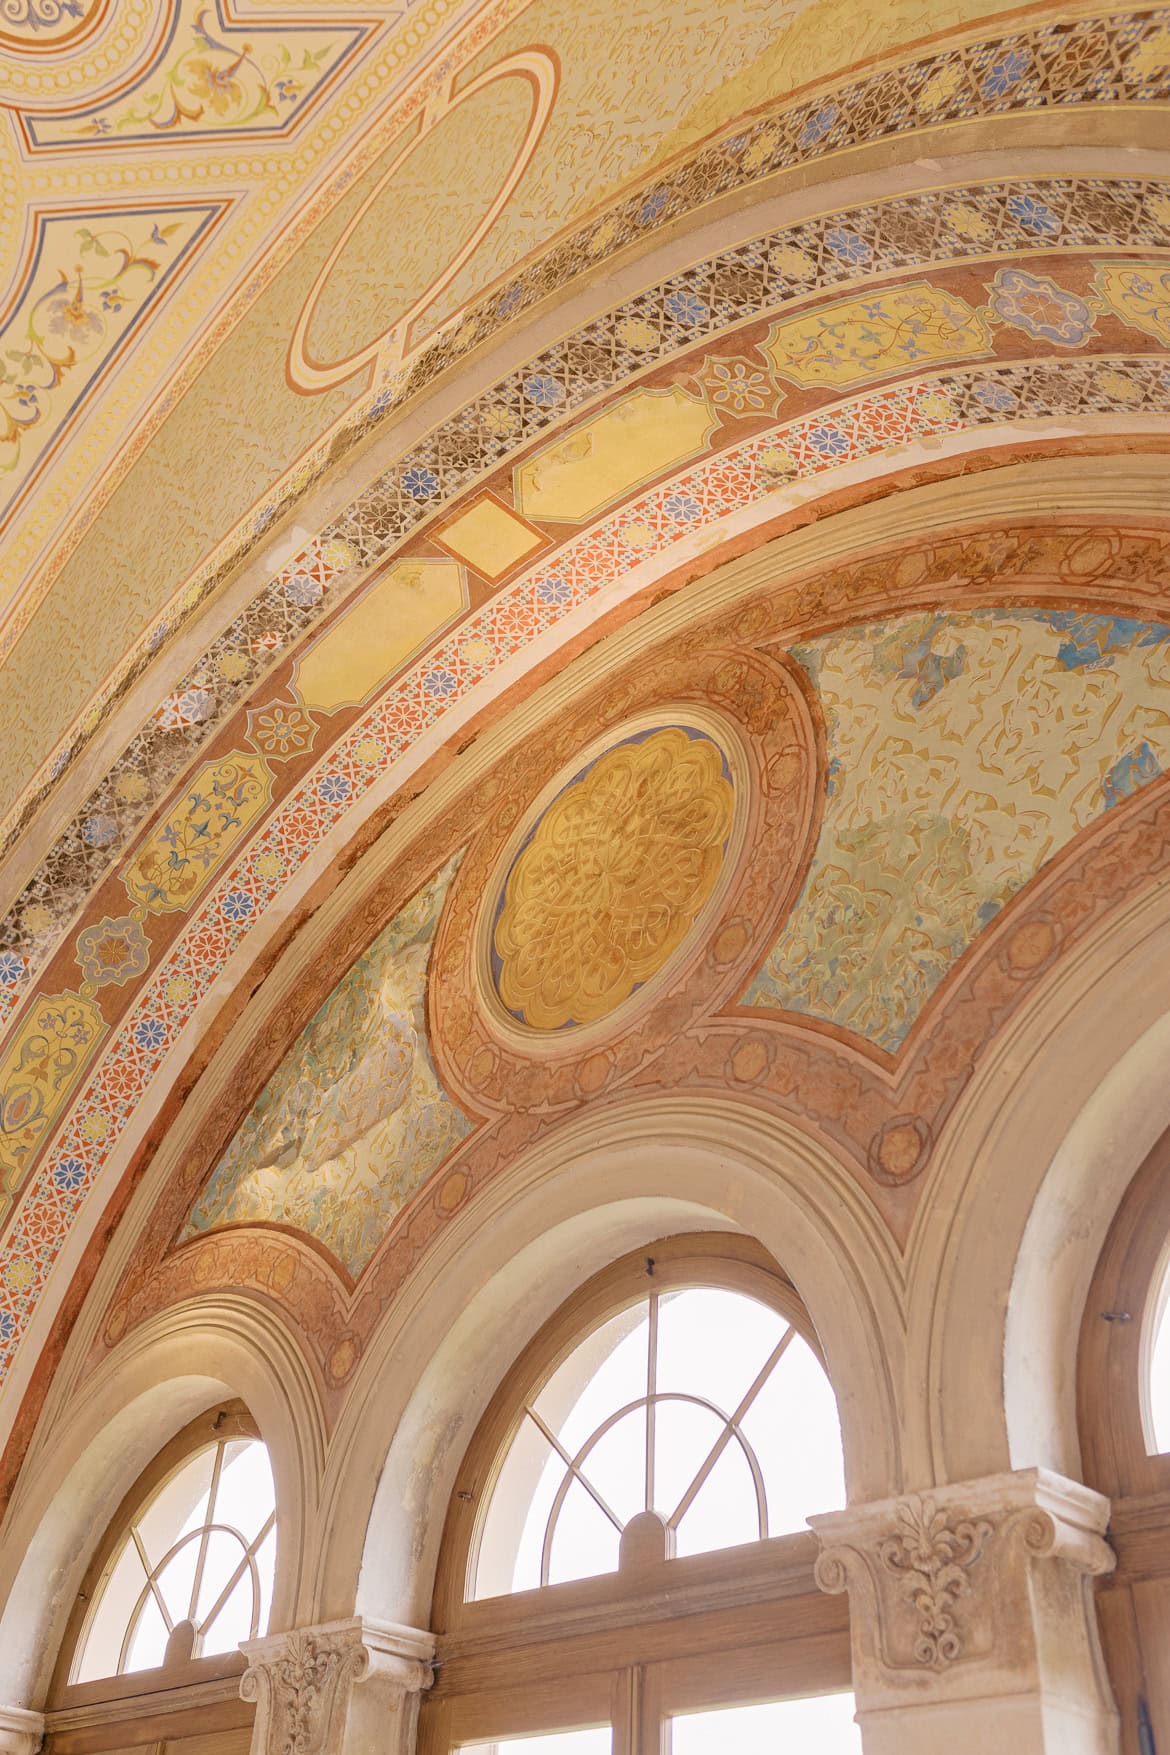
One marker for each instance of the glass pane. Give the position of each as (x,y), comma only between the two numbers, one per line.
(234,1621)
(585,1542)
(822,1725)
(266,1567)
(177,1578)
(1160,1383)
(725,1510)
(224,1554)
(180,1506)
(684,1435)
(599,1741)
(246,1491)
(149,1644)
(513,1531)
(603,1374)
(616,1465)
(793,1428)
(712,1343)
(595,1742)
(104,1645)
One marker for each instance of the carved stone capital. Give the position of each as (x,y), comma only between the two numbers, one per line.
(979,1591)
(21,1732)
(303,1684)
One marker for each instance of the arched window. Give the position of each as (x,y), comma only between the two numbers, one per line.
(1124,1409)
(186,1569)
(626,1565)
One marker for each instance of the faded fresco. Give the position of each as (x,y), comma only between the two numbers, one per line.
(354,1120)
(964,752)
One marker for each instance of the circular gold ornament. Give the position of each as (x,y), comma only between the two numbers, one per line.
(610,877)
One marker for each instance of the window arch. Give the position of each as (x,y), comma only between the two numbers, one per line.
(1123,1390)
(186,1569)
(625,1564)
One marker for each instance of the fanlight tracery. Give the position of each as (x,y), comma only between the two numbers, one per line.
(192,1576)
(692,1420)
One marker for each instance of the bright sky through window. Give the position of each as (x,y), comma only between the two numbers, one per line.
(203,1550)
(703,1405)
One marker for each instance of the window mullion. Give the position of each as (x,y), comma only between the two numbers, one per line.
(197,1581)
(250,1551)
(725,1437)
(151,1580)
(576,1473)
(651,1398)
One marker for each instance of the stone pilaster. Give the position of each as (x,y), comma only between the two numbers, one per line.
(21,1732)
(344,1688)
(972,1617)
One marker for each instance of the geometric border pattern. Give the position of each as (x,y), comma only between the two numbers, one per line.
(930,406)
(1094,60)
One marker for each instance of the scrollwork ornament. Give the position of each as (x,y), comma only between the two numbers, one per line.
(300,1686)
(932,1558)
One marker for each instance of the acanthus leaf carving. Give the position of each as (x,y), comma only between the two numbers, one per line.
(931,1557)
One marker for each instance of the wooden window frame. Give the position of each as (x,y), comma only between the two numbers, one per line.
(658,1637)
(1113,1361)
(177,1699)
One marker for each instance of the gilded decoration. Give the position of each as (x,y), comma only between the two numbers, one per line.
(965,750)
(612,877)
(354,1120)
(434,473)
(1088,61)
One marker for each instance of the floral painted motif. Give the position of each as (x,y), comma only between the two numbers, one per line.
(964,750)
(857,339)
(1139,292)
(735,386)
(90,286)
(215,77)
(113,950)
(40,21)
(184,852)
(281,729)
(37,1072)
(1041,308)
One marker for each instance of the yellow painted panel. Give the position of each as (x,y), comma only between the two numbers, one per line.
(612,454)
(868,336)
(406,608)
(489,538)
(1139,292)
(37,1073)
(220,805)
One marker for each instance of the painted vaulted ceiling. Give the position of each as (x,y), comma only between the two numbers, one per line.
(432,433)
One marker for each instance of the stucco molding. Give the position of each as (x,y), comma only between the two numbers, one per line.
(21,1732)
(979,1591)
(303,1683)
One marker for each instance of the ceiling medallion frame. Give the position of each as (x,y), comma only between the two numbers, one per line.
(760,713)
(717,730)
